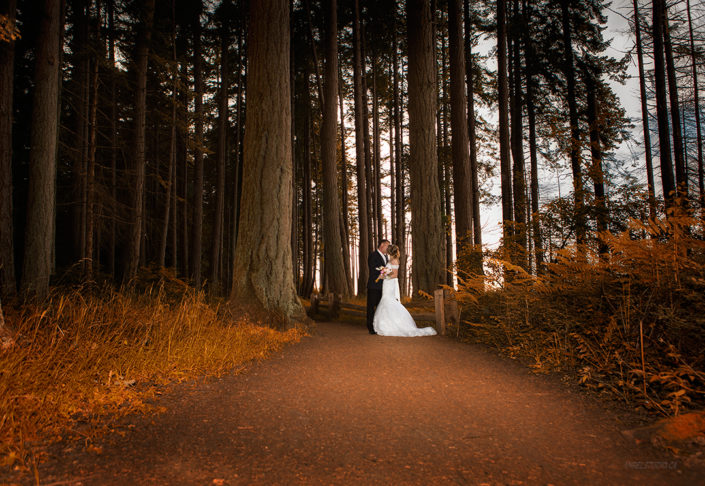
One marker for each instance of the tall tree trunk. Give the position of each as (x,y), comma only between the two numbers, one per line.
(197,223)
(333,245)
(443,151)
(112,238)
(381,230)
(517,146)
(369,168)
(696,108)
(596,172)
(80,102)
(472,140)
(645,114)
(294,164)
(306,193)
(237,183)
(89,260)
(462,178)
(569,72)
(142,57)
(41,205)
(161,261)
(221,151)
(8,284)
(503,99)
(364,243)
(344,224)
(400,235)
(392,161)
(183,163)
(426,226)
(533,150)
(263,260)
(667,180)
(679,158)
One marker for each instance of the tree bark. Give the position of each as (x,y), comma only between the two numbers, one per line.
(596,172)
(41,205)
(344,223)
(645,114)
(426,226)
(444,150)
(8,283)
(533,150)
(696,106)
(307,195)
(569,72)
(503,99)
(112,238)
(363,226)
(667,180)
(333,245)
(237,163)
(263,260)
(197,222)
(678,157)
(400,235)
(221,151)
(462,178)
(142,58)
(472,139)
(161,261)
(373,239)
(377,162)
(517,146)
(80,101)
(89,261)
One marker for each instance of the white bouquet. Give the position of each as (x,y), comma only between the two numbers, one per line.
(383,273)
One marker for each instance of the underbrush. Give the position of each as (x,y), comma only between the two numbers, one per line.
(83,359)
(630,322)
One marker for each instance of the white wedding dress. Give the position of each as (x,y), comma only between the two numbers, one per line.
(391,317)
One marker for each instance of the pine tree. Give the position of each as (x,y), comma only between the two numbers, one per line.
(426,225)
(41,206)
(462,178)
(8,285)
(333,245)
(503,100)
(144,36)
(263,260)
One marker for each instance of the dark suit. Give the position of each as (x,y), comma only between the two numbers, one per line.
(374,288)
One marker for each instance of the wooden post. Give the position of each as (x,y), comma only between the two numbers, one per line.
(438,299)
(451,313)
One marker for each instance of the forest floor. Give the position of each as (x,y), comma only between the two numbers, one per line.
(346,407)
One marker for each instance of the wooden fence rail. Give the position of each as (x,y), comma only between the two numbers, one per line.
(446,309)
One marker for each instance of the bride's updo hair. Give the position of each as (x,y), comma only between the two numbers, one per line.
(393,251)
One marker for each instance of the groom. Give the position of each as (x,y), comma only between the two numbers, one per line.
(377,258)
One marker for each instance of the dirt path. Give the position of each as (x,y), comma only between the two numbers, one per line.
(344,407)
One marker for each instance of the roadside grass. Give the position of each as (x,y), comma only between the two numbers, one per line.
(83,359)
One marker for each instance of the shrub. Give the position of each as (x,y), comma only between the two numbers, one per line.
(631,321)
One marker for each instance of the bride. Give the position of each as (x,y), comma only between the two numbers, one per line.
(391,317)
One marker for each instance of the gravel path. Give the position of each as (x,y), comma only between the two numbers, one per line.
(345,407)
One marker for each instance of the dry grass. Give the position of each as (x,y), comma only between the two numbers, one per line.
(82,360)
(630,323)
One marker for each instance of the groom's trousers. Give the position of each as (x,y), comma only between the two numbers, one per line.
(373,298)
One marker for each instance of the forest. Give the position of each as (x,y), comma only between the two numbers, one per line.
(246,154)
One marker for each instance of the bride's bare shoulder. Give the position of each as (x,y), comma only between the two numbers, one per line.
(394,261)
